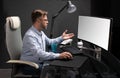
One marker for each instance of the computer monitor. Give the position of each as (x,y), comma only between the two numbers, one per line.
(95,30)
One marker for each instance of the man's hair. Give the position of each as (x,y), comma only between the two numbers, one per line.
(38,13)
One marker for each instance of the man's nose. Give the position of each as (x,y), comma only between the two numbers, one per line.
(47,22)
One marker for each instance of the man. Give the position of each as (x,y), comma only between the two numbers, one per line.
(35,41)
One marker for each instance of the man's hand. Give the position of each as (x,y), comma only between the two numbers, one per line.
(66,55)
(67,36)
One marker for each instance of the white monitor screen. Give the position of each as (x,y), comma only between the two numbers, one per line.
(95,30)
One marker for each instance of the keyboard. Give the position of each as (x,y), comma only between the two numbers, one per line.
(73,50)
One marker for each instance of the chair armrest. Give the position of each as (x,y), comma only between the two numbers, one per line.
(24,62)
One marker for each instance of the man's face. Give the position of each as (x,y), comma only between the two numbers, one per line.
(44,22)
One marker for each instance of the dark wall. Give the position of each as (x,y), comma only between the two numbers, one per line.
(100,8)
(115,14)
(3,51)
(23,8)
(109,9)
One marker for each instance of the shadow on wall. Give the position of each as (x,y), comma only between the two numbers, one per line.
(3,51)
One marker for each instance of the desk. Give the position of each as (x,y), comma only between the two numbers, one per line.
(57,67)
(75,64)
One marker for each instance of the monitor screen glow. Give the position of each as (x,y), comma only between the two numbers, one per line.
(94,30)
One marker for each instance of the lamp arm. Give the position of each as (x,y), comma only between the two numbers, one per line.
(57,14)
(53,19)
(51,29)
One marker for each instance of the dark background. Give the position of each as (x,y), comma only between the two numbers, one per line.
(23,8)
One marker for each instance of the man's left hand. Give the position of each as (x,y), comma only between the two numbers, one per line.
(67,36)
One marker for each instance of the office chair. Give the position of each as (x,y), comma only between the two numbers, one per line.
(14,47)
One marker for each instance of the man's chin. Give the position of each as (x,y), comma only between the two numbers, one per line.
(44,27)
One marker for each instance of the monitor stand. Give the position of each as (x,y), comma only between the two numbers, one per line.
(96,50)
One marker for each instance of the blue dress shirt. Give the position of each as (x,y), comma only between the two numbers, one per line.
(34,46)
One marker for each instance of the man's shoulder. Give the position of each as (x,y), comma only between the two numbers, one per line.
(30,32)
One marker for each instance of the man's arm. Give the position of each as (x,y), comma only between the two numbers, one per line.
(54,40)
(37,51)
(59,39)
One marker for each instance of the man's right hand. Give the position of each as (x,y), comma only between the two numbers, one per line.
(65,55)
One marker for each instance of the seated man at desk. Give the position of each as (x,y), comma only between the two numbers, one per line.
(35,41)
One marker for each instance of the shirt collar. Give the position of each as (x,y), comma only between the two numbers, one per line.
(38,32)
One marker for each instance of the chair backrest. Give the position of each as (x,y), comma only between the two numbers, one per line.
(13,37)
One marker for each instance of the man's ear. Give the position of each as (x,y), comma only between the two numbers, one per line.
(38,20)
